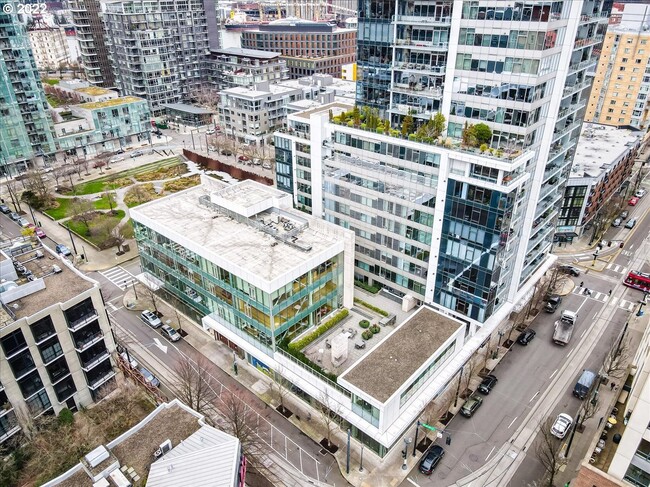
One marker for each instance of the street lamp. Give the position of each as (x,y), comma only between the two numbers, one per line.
(407,442)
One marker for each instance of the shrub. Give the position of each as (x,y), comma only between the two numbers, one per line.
(483,133)
(66,416)
(310,337)
(364,323)
(374,329)
(367,287)
(367,335)
(483,147)
(371,307)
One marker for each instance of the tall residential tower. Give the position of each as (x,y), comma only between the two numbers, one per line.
(458,216)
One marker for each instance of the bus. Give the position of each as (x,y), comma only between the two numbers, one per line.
(638,280)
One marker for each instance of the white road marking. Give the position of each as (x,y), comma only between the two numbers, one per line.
(412,481)
(569,352)
(555,372)
(160,345)
(583,333)
(631,247)
(536,394)
(612,302)
(119,276)
(486,458)
(512,422)
(112,306)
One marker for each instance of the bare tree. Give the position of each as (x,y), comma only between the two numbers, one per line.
(82,210)
(36,184)
(120,234)
(281,387)
(69,174)
(548,451)
(471,368)
(79,166)
(206,96)
(110,199)
(58,173)
(194,385)
(617,360)
(329,411)
(100,165)
(589,410)
(12,189)
(438,409)
(153,298)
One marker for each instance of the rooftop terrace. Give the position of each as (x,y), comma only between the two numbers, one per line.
(400,355)
(250,226)
(123,100)
(46,288)
(600,146)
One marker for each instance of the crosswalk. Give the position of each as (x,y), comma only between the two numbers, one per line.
(119,276)
(605,298)
(627,253)
(620,269)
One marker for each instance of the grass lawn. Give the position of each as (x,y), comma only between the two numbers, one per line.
(102,203)
(60,211)
(122,179)
(51,81)
(80,228)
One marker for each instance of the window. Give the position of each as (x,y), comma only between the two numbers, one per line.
(612,102)
(50,350)
(42,329)
(608,118)
(624,60)
(621,120)
(611,110)
(622,68)
(13,342)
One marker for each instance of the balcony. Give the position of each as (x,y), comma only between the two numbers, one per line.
(8,426)
(589,41)
(418,89)
(599,17)
(87,341)
(574,67)
(419,19)
(90,316)
(415,44)
(427,68)
(569,90)
(558,134)
(101,379)
(95,360)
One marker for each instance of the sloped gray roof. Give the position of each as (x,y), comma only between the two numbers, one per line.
(207,458)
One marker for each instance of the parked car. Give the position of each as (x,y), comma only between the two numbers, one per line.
(633,201)
(209,132)
(150,319)
(526,336)
(267,165)
(640,193)
(119,151)
(5,209)
(99,164)
(431,459)
(23,222)
(63,250)
(37,230)
(488,383)
(115,159)
(137,153)
(562,425)
(552,303)
(569,269)
(149,378)
(257,162)
(631,223)
(243,159)
(169,333)
(157,132)
(226,152)
(471,405)
(617,222)
(14,216)
(133,363)
(624,214)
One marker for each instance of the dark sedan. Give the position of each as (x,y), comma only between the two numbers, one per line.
(431,459)
(526,337)
(488,383)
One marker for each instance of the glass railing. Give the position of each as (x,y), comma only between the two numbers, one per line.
(316,374)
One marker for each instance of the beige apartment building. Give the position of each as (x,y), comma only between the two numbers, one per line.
(620,90)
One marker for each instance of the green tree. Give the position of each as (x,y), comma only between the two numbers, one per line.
(407,125)
(483,133)
(356,116)
(468,135)
(438,124)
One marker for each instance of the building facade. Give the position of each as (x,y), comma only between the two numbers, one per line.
(86,17)
(104,126)
(598,186)
(26,132)
(232,67)
(449,220)
(55,338)
(50,47)
(251,115)
(619,96)
(157,49)
(307,47)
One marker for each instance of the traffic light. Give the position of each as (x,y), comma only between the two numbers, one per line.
(620,246)
(448,440)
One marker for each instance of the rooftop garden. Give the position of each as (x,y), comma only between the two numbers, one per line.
(475,138)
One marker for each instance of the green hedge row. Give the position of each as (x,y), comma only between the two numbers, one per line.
(307,339)
(372,307)
(371,289)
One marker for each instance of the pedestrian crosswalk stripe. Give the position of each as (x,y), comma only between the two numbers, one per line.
(119,276)
(612,302)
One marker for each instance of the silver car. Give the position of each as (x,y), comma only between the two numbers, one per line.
(170,334)
(151,319)
(617,222)
(562,425)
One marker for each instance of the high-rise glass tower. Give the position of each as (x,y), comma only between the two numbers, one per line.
(26,130)
(461,220)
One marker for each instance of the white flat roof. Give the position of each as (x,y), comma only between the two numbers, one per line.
(251,230)
(252,92)
(599,147)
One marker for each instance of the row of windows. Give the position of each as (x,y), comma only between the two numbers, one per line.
(509,65)
(393,150)
(426,373)
(399,279)
(507,116)
(515,40)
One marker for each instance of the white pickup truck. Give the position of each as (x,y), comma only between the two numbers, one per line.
(564,327)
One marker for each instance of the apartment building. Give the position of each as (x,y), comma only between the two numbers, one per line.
(308,47)
(103,126)
(598,183)
(55,338)
(619,96)
(157,49)
(86,17)
(233,67)
(26,132)
(50,47)
(441,218)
